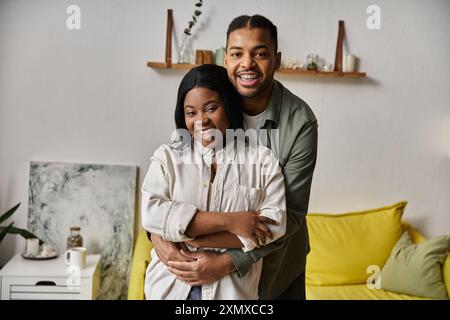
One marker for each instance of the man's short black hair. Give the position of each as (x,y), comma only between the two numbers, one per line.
(213,77)
(255,21)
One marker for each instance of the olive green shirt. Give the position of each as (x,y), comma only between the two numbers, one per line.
(295,145)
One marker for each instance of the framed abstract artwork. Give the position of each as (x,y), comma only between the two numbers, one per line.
(101,199)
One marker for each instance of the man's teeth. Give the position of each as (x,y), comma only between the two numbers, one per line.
(248,77)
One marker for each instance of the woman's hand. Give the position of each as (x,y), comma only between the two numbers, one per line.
(251,225)
(168,251)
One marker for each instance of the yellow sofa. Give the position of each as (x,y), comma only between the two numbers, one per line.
(141,259)
(360,291)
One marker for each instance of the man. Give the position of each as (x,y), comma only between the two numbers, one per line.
(251,60)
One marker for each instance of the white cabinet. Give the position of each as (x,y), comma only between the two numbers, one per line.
(49,279)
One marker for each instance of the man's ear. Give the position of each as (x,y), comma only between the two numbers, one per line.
(277,60)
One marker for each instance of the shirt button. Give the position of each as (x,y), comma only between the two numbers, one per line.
(205,186)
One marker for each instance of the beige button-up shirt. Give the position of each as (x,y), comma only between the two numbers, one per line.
(177,183)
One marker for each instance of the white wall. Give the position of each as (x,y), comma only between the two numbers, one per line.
(86,95)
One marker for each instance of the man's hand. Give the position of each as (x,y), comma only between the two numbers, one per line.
(168,251)
(207,268)
(251,225)
(194,243)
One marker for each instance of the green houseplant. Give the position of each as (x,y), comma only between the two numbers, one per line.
(195,16)
(4,230)
(186,52)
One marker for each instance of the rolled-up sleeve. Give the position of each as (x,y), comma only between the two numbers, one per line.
(160,214)
(273,205)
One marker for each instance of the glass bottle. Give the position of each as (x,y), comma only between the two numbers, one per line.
(311,61)
(75,239)
(186,53)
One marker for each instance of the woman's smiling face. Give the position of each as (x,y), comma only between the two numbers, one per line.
(204,114)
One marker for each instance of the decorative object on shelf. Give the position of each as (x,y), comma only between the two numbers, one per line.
(4,230)
(327,67)
(198,56)
(219,56)
(292,64)
(311,62)
(203,57)
(322,74)
(186,52)
(318,64)
(207,57)
(349,63)
(75,239)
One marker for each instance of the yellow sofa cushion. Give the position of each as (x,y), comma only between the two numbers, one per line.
(354,292)
(446,274)
(343,246)
(140,261)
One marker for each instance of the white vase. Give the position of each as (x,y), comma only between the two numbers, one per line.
(186,53)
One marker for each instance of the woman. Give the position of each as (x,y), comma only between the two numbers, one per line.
(210,190)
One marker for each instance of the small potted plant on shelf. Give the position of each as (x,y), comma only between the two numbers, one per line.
(186,52)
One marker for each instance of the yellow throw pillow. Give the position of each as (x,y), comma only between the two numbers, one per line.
(344,246)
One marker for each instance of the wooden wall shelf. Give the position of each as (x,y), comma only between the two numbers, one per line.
(337,72)
(180,66)
(323,73)
(164,65)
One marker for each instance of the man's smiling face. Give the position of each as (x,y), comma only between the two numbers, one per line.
(251,61)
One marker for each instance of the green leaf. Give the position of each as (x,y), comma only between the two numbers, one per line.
(22,232)
(197,12)
(5,231)
(194,18)
(199,4)
(191,24)
(187,31)
(9,213)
